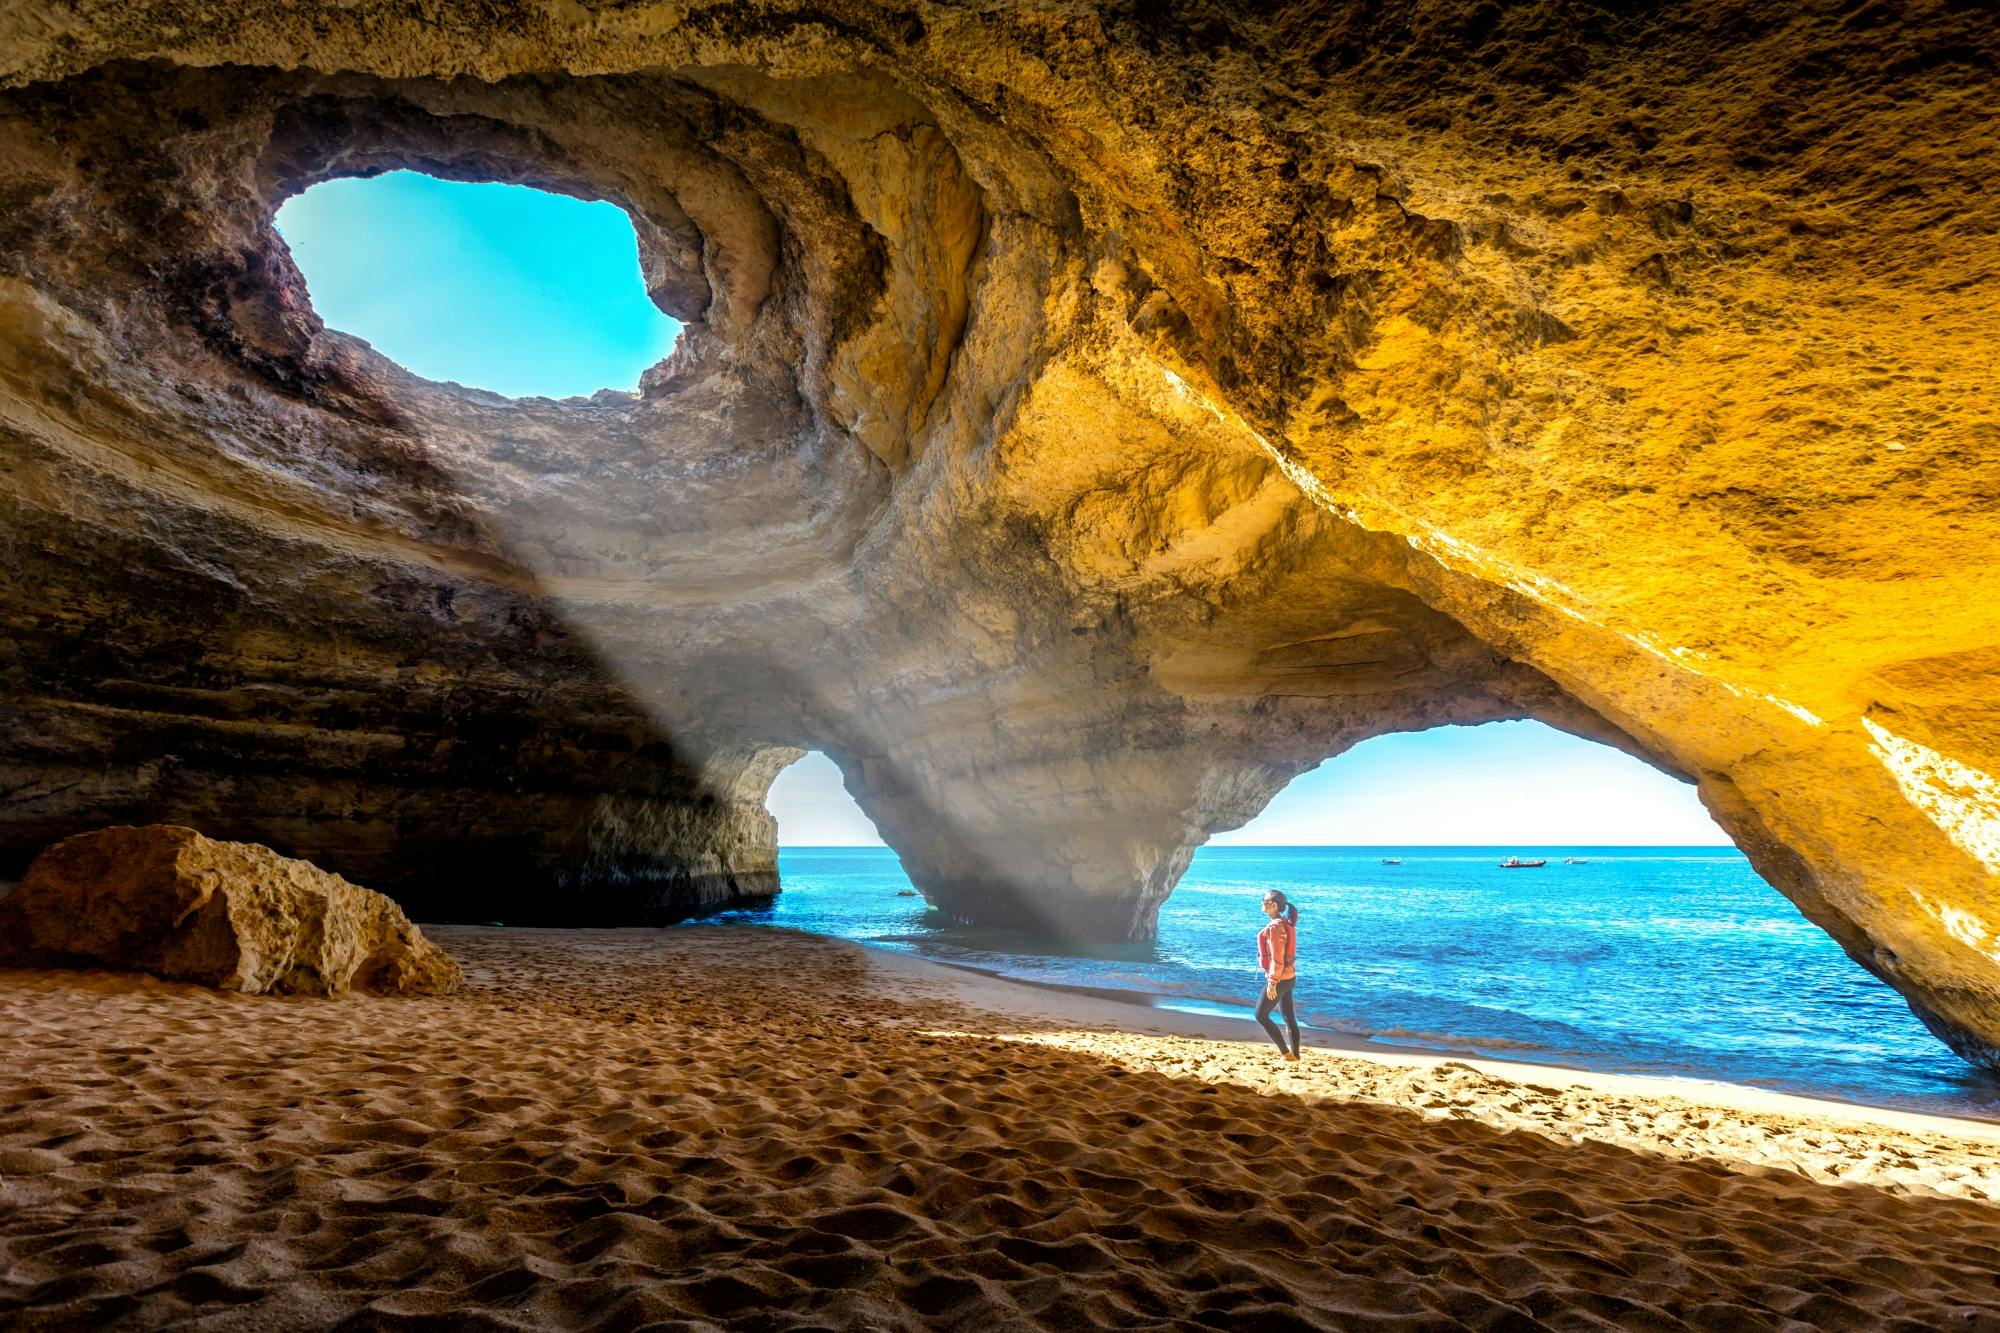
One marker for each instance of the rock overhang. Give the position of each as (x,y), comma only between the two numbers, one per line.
(1081,432)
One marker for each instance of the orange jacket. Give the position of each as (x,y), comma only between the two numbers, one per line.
(1278,950)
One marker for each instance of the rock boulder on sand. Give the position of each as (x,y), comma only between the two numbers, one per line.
(232,915)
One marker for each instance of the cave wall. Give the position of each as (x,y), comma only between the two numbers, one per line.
(1086,420)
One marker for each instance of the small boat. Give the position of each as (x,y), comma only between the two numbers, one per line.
(1516,863)
(1575,861)
(1392,860)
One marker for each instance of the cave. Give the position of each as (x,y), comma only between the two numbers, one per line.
(1065,442)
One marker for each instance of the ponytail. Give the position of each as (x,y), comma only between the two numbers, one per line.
(1291,909)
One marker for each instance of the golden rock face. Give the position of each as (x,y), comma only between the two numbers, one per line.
(1085,422)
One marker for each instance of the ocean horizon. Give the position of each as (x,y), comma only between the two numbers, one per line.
(1660,959)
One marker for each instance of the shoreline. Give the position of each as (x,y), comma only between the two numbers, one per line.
(1730,1126)
(1175,1021)
(1696,973)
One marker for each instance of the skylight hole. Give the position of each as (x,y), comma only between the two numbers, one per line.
(506,288)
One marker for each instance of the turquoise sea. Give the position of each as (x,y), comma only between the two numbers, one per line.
(1651,960)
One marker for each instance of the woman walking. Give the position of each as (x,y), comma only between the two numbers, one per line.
(1278,955)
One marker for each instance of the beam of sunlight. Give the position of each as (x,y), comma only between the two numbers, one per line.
(496,287)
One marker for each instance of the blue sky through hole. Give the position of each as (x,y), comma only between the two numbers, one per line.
(497,287)
(1505,783)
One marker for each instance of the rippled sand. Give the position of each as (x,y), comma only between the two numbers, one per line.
(735,1126)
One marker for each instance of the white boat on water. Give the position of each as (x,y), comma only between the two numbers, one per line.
(1516,863)
(1392,860)
(1575,861)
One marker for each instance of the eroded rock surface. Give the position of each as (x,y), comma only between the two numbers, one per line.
(1087,419)
(231,915)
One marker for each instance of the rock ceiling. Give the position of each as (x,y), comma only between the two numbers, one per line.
(1086,420)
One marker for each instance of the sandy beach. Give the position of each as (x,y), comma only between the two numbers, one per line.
(743,1127)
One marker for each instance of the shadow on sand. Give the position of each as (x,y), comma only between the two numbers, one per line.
(615,1129)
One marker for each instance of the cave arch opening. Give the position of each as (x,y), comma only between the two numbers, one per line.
(1521,784)
(503,287)
(1640,938)
(837,875)
(1657,949)
(813,807)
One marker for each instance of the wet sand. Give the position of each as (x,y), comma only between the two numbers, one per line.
(728,1126)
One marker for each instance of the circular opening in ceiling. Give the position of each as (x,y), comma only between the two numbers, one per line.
(499,287)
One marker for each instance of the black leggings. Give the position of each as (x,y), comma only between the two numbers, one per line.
(1283,999)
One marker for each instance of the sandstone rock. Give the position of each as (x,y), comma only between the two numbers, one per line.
(1088,418)
(231,915)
